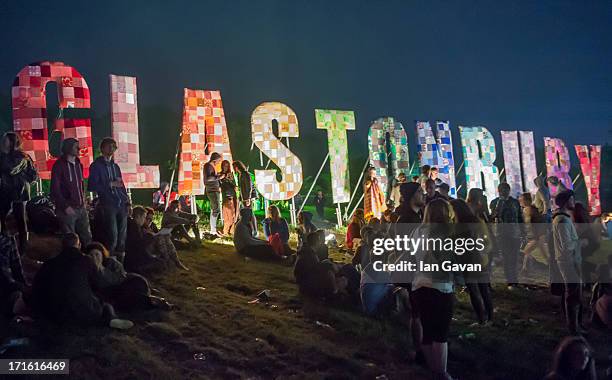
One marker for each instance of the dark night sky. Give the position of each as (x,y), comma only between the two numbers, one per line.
(542,66)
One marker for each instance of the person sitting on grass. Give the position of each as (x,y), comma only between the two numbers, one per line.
(601,300)
(314,278)
(305,226)
(181,222)
(380,297)
(247,244)
(63,289)
(572,360)
(126,291)
(13,285)
(149,225)
(276,230)
(138,246)
(353,230)
(147,252)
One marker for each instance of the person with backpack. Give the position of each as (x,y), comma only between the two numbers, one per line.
(68,192)
(17,172)
(507,215)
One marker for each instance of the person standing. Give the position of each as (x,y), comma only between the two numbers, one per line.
(534,231)
(433,290)
(542,198)
(395,198)
(113,201)
(212,189)
(17,172)
(320,205)
(507,215)
(229,198)
(68,192)
(569,259)
(374,199)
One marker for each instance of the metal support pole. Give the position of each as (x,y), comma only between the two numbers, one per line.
(176,156)
(292,206)
(339,215)
(356,206)
(313,183)
(357,186)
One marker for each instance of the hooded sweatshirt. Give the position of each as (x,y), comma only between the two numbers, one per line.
(542,196)
(67,184)
(101,174)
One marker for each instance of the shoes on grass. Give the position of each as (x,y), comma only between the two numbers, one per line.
(121,324)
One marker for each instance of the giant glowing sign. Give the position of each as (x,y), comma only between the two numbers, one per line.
(204,132)
(396,153)
(478,155)
(438,151)
(518,175)
(124,123)
(557,161)
(264,138)
(337,123)
(590,166)
(30,112)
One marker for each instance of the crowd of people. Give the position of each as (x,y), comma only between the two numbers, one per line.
(110,247)
(549,220)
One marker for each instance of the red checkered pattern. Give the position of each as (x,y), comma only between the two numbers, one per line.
(30,112)
(591,171)
(124,120)
(204,132)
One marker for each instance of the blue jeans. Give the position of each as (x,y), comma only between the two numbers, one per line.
(112,222)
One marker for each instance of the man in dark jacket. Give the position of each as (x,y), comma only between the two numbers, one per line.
(507,215)
(68,193)
(112,208)
(63,289)
(17,172)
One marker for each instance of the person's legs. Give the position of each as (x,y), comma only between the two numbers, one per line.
(228,216)
(21,218)
(213,197)
(477,301)
(81,226)
(510,248)
(487,301)
(121,230)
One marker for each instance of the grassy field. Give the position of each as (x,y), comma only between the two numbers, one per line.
(217,333)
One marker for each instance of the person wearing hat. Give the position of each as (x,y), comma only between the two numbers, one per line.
(568,259)
(410,209)
(212,189)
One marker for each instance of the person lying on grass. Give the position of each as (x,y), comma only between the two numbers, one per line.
(248,245)
(125,291)
(64,290)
